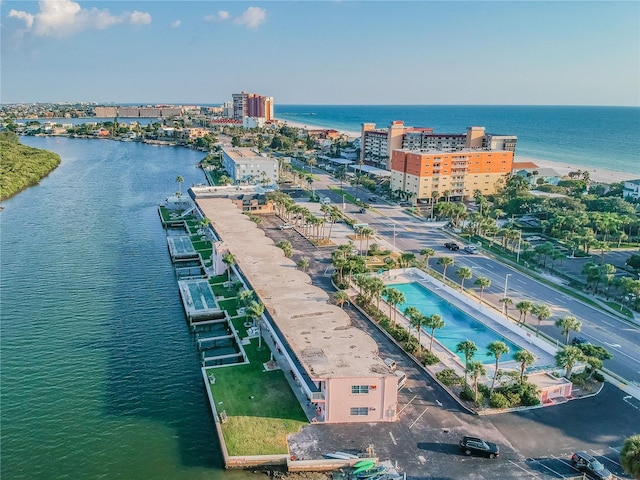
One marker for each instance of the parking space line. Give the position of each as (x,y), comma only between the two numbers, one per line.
(522,468)
(604,457)
(419,417)
(408,403)
(393,439)
(551,469)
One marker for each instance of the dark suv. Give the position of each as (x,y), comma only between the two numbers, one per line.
(589,465)
(478,446)
(452,246)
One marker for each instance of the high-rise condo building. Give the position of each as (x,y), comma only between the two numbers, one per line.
(252,105)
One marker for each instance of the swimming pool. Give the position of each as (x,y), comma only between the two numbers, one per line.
(459,326)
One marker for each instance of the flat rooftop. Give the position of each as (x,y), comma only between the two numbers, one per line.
(246,153)
(317,331)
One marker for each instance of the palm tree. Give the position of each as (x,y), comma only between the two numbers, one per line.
(482,282)
(417,320)
(525,358)
(303,264)
(463,273)
(524,307)
(568,357)
(255,311)
(411,312)
(434,322)
(630,456)
(394,298)
(445,262)
(496,348)
(341,297)
(506,301)
(229,260)
(179,179)
(567,324)
(542,312)
(477,369)
(469,348)
(428,253)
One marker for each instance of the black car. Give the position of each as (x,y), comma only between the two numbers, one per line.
(453,246)
(590,465)
(478,446)
(579,341)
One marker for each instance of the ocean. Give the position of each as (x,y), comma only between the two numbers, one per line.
(594,137)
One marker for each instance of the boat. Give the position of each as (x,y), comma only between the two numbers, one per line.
(366,461)
(371,472)
(340,456)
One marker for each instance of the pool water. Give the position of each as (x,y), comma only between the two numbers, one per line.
(459,326)
(201,295)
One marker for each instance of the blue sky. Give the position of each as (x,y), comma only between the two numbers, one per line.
(326,52)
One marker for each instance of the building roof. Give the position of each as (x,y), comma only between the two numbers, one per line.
(318,332)
(239,154)
(524,166)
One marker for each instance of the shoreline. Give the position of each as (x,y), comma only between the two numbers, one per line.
(597,175)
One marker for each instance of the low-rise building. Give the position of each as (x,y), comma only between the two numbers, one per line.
(245,165)
(631,189)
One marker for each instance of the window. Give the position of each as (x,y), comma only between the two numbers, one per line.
(360,411)
(359,389)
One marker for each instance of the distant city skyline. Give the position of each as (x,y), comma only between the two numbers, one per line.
(325,52)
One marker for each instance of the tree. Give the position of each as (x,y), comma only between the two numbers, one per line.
(445,262)
(434,322)
(179,179)
(394,298)
(417,320)
(524,307)
(506,301)
(341,297)
(542,312)
(229,260)
(469,348)
(496,349)
(630,456)
(482,282)
(463,273)
(430,252)
(255,311)
(525,358)
(477,369)
(568,357)
(568,324)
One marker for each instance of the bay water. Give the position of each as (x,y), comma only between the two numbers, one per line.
(99,373)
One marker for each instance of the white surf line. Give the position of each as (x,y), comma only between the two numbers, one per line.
(393,439)
(419,417)
(408,403)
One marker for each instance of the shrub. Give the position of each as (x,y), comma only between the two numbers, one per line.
(400,333)
(498,400)
(598,377)
(513,398)
(429,358)
(448,377)
(529,400)
(578,380)
(385,323)
(412,345)
(483,389)
(466,394)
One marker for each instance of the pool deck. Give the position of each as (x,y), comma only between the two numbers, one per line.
(487,315)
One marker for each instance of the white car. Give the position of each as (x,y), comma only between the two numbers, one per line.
(285,226)
(471,249)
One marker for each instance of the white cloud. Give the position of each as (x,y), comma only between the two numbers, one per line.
(62,18)
(140,18)
(220,17)
(27,17)
(176,24)
(252,17)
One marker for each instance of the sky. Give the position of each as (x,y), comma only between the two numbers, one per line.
(322,52)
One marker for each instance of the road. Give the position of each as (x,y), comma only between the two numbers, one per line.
(409,234)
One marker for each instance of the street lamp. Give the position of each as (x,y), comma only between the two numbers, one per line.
(394,235)
(518,254)
(344,205)
(506,280)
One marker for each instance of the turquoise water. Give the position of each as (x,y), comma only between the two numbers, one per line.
(597,137)
(183,245)
(100,377)
(201,295)
(458,325)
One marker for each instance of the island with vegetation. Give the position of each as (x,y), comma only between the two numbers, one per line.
(22,166)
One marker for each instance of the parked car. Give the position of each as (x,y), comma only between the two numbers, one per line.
(590,465)
(478,446)
(471,249)
(285,226)
(453,246)
(391,364)
(402,378)
(373,198)
(363,210)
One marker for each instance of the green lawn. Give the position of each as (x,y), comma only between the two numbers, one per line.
(260,407)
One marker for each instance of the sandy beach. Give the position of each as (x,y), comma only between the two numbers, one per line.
(600,175)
